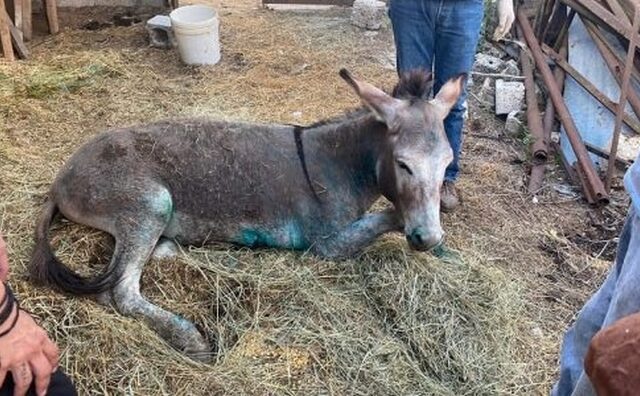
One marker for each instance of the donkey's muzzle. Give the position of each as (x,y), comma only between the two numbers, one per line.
(421,239)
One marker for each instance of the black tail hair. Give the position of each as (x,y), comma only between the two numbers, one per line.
(45,268)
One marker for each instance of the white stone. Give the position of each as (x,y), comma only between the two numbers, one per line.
(509,96)
(513,125)
(368,14)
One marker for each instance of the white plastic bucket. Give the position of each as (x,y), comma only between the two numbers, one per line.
(196,31)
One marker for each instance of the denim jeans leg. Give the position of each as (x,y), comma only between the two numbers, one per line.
(457,34)
(597,312)
(413,25)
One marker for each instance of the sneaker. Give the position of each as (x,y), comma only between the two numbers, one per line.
(449,199)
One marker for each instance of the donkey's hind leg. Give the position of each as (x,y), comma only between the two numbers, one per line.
(135,241)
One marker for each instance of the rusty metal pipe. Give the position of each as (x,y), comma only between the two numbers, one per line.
(594,184)
(539,148)
(624,90)
(550,111)
(596,12)
(593,30)
(537,171)
(589,87)
(612,63)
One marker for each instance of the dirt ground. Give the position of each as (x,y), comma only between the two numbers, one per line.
(485,319)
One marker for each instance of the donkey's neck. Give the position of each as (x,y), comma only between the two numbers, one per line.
(353,145)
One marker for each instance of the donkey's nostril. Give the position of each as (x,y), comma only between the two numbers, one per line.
(422,240)
(416,237)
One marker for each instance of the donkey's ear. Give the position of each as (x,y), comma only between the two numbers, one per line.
(383,106)
(449,94)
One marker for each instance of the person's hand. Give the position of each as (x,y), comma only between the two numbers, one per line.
(4,260)
(506,16)
(613,358)
(28,353)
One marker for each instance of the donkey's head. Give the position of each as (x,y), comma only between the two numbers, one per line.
(415,153)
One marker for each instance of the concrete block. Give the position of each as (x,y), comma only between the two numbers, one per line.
(368,14)
(509,96)
(485,63)
(160,32)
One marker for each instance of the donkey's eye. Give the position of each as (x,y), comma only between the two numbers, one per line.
(404,167)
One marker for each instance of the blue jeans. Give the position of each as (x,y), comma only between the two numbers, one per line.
(439,36)
(619,296)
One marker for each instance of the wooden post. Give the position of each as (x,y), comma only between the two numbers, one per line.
(51,9)
(5,34)
(27,30)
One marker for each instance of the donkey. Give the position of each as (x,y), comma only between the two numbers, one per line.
(281,186)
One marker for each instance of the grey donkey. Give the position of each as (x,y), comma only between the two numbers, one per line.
(193,181)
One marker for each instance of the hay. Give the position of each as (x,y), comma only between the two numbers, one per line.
(486,319)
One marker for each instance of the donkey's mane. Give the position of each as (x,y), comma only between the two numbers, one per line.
(415,84)
(349,115)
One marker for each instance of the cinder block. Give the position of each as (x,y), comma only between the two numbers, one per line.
(160,32)
(509,96)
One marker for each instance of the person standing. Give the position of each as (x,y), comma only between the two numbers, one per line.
(441,36)
(618,297)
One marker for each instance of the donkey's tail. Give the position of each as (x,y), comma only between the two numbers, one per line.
(47,269)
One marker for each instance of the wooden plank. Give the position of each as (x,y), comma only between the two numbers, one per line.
(5,34)
(27,29)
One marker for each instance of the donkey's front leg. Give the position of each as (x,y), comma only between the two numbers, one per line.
(358,234)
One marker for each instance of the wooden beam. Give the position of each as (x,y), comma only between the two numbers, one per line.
(27,29)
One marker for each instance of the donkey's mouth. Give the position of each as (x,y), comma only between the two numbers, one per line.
(422,244)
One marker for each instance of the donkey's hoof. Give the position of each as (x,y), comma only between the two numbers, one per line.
(199,350)
(205,356)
